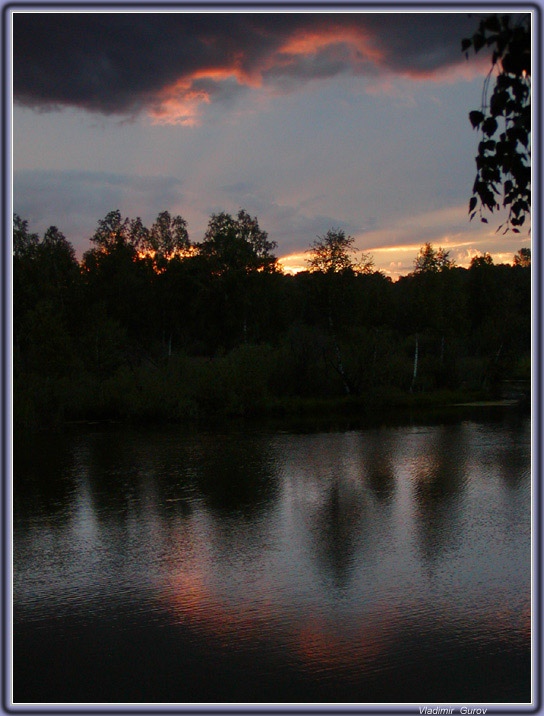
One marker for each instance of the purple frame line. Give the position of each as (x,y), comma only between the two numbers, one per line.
(209,709)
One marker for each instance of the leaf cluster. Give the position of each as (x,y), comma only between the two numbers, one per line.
(503,161)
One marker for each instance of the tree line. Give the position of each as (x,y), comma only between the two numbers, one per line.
(149,325)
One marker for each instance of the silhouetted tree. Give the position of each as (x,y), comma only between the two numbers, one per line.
(117,285)
(45,277)
(234,251)
(58,266)
(112,232)
(237,244)
(432,260)
(332,256)
(486,305)
(503,161)
(24,242)
(167,237)
(430,295)
(334,253)
(523,258)
(484,260)
(217,327)
(139,235)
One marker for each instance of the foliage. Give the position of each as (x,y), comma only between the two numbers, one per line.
(112,232)
(24,242)
(334,253)
(503,162)
(218,331)
(237,244)
(523,258)
(432,260)
(480,261)
(167,237)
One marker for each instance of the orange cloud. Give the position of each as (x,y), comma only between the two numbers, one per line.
(308,42)
(179,104)
(288,49)
(243,77)
(387,83)
(182,102)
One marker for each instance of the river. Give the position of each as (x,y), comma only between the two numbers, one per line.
(389,564)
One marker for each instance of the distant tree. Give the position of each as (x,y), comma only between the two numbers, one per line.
(58,262)
(489,304)
(52,258)
(333,256)
(364,265)
(251,232)
(139,235)
(523,258)
(334,253)
(432,260)
(481,261)
(24,242)
(168,236)
(53,238)
(167,239)
(112,232)
(428,313)
(237,244)
(45,275)
(234,255)
(503,162)
(114,281)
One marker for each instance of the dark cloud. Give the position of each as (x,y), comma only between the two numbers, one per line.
(327,62)
(422,42)
(78,199)
(121,63)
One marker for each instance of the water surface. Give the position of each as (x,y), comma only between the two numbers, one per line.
(390,564)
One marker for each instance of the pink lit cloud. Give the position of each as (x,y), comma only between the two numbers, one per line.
(196,60)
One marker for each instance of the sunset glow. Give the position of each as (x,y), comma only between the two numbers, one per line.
(270,357)
(396,261)
(308,122)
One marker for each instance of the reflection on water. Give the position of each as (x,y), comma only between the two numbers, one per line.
(167,566)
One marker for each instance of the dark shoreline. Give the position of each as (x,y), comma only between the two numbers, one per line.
(344,413)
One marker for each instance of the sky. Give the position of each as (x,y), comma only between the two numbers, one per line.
(310,121)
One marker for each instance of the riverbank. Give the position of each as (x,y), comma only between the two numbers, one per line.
(79,402)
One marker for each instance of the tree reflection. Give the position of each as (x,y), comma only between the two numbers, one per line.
(377,457)
(235,476)
(336,530)
(345,484)
(511,457)
(439,479)
(134,473)
(44,479)
(330,501)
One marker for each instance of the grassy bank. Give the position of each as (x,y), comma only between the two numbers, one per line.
(191,391)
